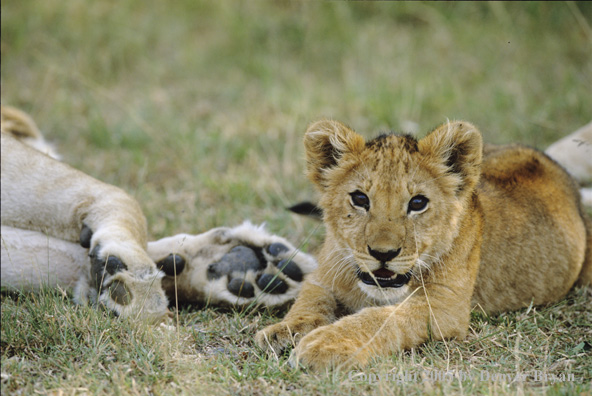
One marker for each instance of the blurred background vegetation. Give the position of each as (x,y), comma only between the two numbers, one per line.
(198,108)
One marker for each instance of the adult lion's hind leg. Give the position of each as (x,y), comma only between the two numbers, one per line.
(44,195)
(32,260)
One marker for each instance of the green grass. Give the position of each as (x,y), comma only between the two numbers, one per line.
(198,110)
(50,345)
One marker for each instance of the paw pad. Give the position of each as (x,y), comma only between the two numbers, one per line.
(114,265)
(291,269)
(85,236)
(120,293)
(247,265)
(242,260)
(271,284)
(241,288)
(268,271)
(275,249)
(239,258)
(171,265)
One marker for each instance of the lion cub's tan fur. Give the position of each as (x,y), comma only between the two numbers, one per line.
(503,228)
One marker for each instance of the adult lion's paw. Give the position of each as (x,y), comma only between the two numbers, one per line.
(122,277)
(231,266)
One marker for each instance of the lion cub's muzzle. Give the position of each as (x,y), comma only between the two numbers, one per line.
(384,278)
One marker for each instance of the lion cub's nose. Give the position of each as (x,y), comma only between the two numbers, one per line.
(384,257)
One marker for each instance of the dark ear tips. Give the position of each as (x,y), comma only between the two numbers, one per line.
(325,142)
(171,265)
(459,144)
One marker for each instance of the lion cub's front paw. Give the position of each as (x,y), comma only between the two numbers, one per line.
(122,277)
(231,266)
(279,337)
(329,347)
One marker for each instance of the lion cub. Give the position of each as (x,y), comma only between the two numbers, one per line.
(420,232)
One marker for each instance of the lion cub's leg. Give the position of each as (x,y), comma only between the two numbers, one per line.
(321,342)
(315,307)
(381,331)
(42,194)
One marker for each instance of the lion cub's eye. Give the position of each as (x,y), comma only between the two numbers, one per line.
(417,204)
(360,199)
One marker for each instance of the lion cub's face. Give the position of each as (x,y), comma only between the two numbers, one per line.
(392,205)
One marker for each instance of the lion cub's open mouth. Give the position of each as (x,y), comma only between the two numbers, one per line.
(384,278)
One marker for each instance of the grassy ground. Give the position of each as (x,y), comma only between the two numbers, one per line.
(198,108)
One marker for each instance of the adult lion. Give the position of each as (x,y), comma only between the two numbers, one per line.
(420,232)
(63,228)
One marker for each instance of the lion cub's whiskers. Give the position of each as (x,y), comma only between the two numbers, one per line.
(341,265)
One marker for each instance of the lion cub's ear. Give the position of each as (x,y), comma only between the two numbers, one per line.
(326,142)
(459,146)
